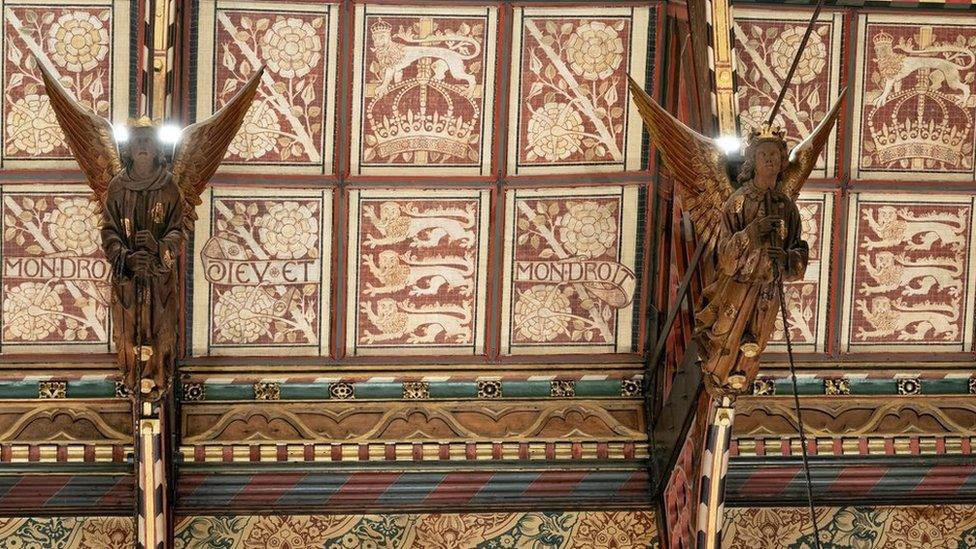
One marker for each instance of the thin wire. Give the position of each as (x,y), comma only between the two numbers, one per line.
(796,404)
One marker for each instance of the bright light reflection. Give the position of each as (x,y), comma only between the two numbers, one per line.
(121,133)
(169,134)
(729,143)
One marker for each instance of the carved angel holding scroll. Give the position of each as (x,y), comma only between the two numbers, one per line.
(148,208)
(752,235)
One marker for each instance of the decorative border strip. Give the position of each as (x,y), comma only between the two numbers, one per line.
(937,4)
(411,452)
(64,453)
(373,491)
(333,389)
(907,384)
(108,494)
(784,483)
(855,446)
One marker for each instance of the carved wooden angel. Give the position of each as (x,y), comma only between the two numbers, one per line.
(752,234)
(148,208)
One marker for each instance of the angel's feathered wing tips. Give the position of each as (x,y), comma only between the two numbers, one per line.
(696,163)
(804,156)
(203,145)
(89,136)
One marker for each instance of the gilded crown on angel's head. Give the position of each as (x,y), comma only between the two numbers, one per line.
(766,132)
(141,122)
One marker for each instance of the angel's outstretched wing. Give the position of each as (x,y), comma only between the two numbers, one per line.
(89,136)
(696,162)
(805,154)
(204,144)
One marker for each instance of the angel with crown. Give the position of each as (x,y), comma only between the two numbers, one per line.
(148,208)
(751,234)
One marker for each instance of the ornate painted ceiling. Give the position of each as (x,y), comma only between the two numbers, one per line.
(430,272)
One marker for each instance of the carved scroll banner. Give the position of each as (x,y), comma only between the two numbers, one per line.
(806,299)
(569,270)
(260,262)
(910,277)
(86,45)
(289,129)
(570,112)
(765,45)
(54,274)
(914,108)
(423,90)
(417,271)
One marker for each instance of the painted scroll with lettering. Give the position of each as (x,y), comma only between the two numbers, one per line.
(261,261)
(55,277)
(289,126)
(910,269)
(569,270)
(76,44)
(915,102)
(423,90)
(569,91)
(417,271)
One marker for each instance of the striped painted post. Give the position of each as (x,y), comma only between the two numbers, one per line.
(714,468)
(152,501)
(721,65)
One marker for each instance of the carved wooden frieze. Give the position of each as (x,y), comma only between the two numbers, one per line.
(59,422)
(775,417)
(398,421)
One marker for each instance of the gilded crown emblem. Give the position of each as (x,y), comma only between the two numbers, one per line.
(918,138)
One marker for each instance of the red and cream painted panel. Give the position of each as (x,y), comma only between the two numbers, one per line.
(569,270)
(914,103)
(806,299)
(569,107)
(290,127)
(765,45)
(909,276)
(261,272)
(423,90)
(417,271)
(86,45)
(54,275)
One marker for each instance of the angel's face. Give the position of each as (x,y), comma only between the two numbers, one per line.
(144,149)
(768,161)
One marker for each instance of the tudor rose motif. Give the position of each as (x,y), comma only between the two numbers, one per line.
(753,235)
(147,207)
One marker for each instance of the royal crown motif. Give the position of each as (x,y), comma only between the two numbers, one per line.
(141,122)
(766,131)
(882,39)
(381,26)
(914,135)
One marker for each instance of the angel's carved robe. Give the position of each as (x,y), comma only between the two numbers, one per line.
(132,205)
(742,302)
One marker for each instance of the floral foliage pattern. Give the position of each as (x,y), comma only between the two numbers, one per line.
(287,124)
(572,90)
(915,84)
(550,530)
(67,533)
(263,263)
(419,269)
(910,272)
(764,50)
(55,276)
(929,527)
(426,87)
(568,281)
(75,43)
